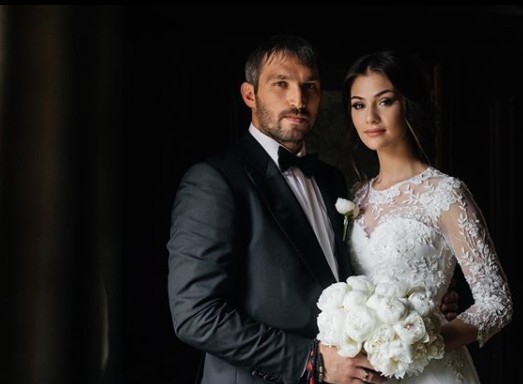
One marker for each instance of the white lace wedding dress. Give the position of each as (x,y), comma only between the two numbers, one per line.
(416,231)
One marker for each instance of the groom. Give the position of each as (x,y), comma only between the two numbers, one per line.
(255,236)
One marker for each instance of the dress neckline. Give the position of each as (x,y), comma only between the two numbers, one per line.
(413,179)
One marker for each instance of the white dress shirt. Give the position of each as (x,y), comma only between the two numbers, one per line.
(309,196)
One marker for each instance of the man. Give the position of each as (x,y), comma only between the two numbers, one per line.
(254,241)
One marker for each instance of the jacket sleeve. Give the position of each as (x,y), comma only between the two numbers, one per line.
(205,253)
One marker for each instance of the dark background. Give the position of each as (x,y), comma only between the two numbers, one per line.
(104,107)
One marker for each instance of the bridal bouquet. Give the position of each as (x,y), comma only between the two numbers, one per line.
(395,325)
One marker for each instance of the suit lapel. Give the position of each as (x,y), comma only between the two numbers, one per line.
(286,210)
(329,198)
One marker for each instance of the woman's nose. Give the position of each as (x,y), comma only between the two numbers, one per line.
(371,116)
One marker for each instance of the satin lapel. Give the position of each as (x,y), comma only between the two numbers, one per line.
(329,197)
(287,211)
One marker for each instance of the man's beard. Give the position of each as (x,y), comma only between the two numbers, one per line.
(272,127)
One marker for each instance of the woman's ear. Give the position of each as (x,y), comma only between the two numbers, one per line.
(247,90)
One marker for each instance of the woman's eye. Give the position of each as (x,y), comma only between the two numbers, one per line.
(357,105)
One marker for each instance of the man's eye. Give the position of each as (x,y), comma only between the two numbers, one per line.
(309,87)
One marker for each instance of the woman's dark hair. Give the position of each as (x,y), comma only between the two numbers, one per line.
(407,73)
(288,45)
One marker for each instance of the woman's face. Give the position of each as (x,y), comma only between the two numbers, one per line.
(377,112)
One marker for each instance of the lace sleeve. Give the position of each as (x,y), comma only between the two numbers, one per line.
(467,234)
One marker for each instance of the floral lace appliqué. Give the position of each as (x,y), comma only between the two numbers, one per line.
(418,230)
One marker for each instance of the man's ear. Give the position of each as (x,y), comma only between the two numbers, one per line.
(247,90)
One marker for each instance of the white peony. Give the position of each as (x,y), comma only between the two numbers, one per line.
(360,283)
(421,302)
(392,289)
(355,297)
(411,328)
(332,327)
(389,309)
(332,297)
(360,322)
(395,325)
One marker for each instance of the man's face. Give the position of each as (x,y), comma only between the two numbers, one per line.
(287,100)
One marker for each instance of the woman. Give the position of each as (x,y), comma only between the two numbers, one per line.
(416,222)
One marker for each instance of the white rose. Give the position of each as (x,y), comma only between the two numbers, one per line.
(332,296)
(347,207)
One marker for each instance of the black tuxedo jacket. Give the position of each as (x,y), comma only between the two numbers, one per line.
(246,268)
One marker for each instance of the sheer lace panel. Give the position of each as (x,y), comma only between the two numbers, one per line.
(417,230)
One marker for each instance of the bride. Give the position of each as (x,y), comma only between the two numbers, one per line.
(417,222)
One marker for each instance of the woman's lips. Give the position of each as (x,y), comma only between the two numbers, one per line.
(374,132)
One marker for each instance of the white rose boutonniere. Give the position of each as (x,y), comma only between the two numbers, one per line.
(396,325)
(349,210)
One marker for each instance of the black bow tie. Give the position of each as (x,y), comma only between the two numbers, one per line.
(308,164)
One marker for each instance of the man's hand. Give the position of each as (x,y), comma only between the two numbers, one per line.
(346,370)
